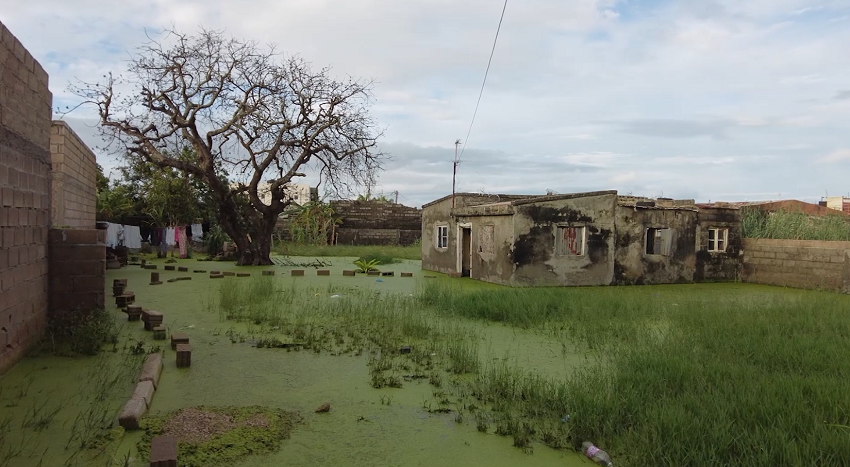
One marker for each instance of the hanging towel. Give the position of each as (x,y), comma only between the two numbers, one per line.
(132,237)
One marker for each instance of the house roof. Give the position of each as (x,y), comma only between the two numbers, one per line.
(478,195)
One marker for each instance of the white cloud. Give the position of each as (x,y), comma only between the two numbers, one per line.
(839,155)
(580,96)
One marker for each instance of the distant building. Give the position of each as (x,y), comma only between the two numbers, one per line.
(839,203)
(299,193)
(596,238)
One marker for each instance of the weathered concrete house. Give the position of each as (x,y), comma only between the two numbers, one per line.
(596,238)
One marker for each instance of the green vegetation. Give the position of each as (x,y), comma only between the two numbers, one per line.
(220,436)
(366,266)
(691,375)
(80,334)
(794,225)
(393,252)
(312,223)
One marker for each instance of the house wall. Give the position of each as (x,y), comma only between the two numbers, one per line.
(808,264)
(72,179)
(25,103)
(534,247)
(77,271)
(491,244)
(716,266)
(633,266)
(439,259)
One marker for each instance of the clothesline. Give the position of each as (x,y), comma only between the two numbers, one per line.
(131,235)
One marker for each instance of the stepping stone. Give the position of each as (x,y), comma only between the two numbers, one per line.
(349,273)
(144,391)
(164,451)
(183,269)
(152,369)
(173,279)
(125,299)
(404,349)
(388,273)
(407,274)
(216,276)
(184,355)
(132,414)
(374,273)
(323,272)
(134,312)
(229,273)
(184,278)
(155,279)
(151,319)
(297,272)
(243,274)
(168,267)
(149,266)
(430,277)
(199,271)
(178,338)
(159,333)
(215,272)
(268,273)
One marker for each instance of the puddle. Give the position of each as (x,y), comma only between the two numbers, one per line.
(365,426)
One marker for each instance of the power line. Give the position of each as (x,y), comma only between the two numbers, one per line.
(492,51)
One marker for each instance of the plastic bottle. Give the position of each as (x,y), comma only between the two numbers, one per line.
(596,455)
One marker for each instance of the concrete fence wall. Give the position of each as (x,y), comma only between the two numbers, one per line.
(798,263)
(73,179)
(77,270)
(25,103)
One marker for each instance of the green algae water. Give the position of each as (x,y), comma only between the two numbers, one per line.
(365,426)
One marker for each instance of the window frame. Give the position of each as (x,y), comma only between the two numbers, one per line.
(712,243)
(442,237)
(581,233)
(667,248)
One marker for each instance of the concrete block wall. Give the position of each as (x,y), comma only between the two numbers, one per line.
(25,103)
(377,236)
(77,270)
(73,179)
(377,223)
(798,263)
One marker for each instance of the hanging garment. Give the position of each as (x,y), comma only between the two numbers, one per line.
(163,245)
(155,238)
(197,232)
(145,233)
(170,238)
(112,235)
(132,237)
(181,232)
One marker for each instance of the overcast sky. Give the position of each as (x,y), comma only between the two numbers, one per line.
(706,99)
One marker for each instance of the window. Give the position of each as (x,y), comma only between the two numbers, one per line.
(442,236)
(569,241)
(658,241)
(717,239)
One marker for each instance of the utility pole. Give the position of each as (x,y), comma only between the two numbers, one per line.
(454,172)
(396,196)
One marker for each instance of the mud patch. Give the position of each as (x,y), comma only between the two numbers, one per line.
(219,436)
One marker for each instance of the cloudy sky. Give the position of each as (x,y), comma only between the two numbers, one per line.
(704,99)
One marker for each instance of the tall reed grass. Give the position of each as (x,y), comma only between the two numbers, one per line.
(356,251)
(794,225)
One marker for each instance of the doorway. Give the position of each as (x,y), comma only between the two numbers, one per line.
(465,250)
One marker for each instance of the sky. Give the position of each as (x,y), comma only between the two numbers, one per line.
(715,100)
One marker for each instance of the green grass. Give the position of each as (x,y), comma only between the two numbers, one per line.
(390,251)
(794,225)
(693,375)
(686,375)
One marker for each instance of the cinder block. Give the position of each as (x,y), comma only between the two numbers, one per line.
(297,272)
(407,274)
(178,338)
(243,274)
(163,451)
(168,267)
(132,414)
(349,273)
(152,369)
(184,355)
(268,273)
(229,273)
(144,391)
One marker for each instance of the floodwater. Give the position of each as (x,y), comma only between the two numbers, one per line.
(365,426)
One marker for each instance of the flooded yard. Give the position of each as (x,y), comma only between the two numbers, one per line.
(440,371)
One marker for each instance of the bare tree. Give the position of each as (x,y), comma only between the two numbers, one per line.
(245,111)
